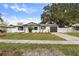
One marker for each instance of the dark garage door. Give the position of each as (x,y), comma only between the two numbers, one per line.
(53,29)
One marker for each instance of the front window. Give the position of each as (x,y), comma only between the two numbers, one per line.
(20,28)
(35,28)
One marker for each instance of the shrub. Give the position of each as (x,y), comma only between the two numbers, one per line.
(30,29)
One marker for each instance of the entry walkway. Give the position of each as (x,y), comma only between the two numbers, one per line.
(67,37)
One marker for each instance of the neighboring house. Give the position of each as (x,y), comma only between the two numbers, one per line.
(76,27)
(36,28)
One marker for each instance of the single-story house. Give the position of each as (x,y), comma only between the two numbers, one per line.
(36,28)
(75,26)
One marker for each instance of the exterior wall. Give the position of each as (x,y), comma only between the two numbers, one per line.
(47,29)
(13,30)
(70,29)
(36,31)
(26,29)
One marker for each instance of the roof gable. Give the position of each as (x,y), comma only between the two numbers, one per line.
(31,23)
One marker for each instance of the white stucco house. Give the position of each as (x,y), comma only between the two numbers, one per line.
(36,28)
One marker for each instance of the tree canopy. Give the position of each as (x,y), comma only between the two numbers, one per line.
(63,14)
(1,18)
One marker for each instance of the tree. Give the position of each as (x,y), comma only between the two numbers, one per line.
(64,14)
(1,20)
(3,24)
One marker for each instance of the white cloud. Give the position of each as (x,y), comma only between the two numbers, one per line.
(20,8)
(14,20)
(23,8)
(15,7)
(5,6)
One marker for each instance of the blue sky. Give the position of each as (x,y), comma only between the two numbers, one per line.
(13,13)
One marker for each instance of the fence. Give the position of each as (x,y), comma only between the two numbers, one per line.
(70,29)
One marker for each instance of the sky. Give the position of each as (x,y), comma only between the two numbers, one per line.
(12,13)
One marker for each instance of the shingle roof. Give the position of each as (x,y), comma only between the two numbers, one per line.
(31,24)
(35,24)
(52,25)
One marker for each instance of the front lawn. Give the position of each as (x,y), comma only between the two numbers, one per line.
(39,49)
(30,36)
(73,34)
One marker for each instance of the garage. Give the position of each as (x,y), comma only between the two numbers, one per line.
(53,29)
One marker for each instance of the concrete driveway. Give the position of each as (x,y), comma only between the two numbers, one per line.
(67,37)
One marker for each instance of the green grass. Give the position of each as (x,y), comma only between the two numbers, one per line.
(21,49)
(73,34)
(30,36)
